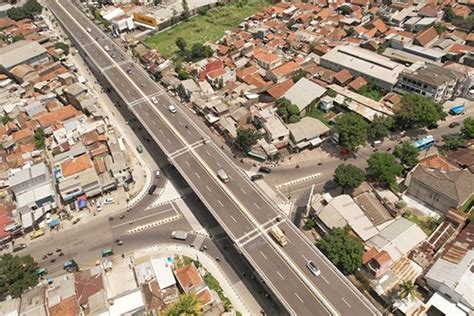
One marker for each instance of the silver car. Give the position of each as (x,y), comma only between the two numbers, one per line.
(313,268)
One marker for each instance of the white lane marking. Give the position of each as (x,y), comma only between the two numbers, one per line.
(161,131)
(346,302)
(299,297)
(219,164)
(263,255)
(153,121)
(219,201)
(256,205)
(199,177)
(169,140)
(325,280)
(305,259)
(243,191)
(208,189)
(233,218)
(207,152)
(187,163)
(189,132)
(179,122)
(281,276)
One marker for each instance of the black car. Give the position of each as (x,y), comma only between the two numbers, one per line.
(152,189)
(265,170)
(454,124)
(256,177)
(19,247)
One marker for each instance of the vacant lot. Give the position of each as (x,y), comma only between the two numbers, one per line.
(209,27)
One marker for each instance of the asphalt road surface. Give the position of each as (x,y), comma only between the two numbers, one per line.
(240,208)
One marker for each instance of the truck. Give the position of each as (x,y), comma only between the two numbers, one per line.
(279,236)
(223,175)
(179,234)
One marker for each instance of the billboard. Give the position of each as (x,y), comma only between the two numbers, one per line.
(145,19)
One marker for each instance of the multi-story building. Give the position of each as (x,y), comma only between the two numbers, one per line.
(432,81)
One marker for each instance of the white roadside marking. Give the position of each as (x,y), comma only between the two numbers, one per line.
(281,276)
(263,255)
(325,280)
(187,163)
(219,201)
(243,191)
(233,218)
(197,175)
(299,297)
(346,302)
(256,205)
(208,189)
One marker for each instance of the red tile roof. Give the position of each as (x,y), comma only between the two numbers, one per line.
(66,112)
(87,285)
(188,277)
(343,76)
(380,26)
(285,69)
(425,37)
(255,80)
(76,165)
(280,89)
(244,72)
(357,83)
(68,306)
(22,134)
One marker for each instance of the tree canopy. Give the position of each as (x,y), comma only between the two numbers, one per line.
(352,130)
(467,128)
(246,138)
(16,13)
(344,251)
(288,111)
(32,8)
(187,305)
(301,73)
(181,43)
(63,46)
(407,154)
(17,38)
(17,273)
(39,138)
(418,111)
(349,176)
(380,127)
(384,168)
(407,289)
(452,141)
(186,13)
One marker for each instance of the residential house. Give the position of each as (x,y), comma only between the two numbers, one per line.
(307,133)
(22,52)
(438,184)
(267,60)
(189,279)
(452,274)
(282,72)
(303,93)
(33,302)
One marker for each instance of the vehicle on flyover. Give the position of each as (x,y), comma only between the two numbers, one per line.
(279,236)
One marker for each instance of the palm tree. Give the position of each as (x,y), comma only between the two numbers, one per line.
(187,305)
(407,289)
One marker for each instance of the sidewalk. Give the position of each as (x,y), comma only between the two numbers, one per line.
(237,293)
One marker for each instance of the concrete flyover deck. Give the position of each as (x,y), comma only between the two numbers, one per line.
(245,213)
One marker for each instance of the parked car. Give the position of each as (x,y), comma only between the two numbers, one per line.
(152,189)
(454,124)
(256,177)
(98,206)
(37,233)
(154,100)
(109,201)
(265,169)
(19,247)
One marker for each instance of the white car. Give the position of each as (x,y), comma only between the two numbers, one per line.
(158,174)
(154,100)
(89,29)
(313,268)
(98,206)
(172,108)
(108,201)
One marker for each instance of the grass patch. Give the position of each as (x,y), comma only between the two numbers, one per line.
(313,111)
(372,92)
(426,225)
(203,28)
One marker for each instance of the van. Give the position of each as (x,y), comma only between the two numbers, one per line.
(179,234)
(377,143)
(37,233)
(223,175)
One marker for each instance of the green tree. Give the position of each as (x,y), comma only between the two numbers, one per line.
(187,305)
(448,13)
(345,10)
(186,13)
(349,176)
(344,251)
(407,289)
(198,51)
(32,8)
(39,138)
(63,46)
(16,14)
(407,154)
(6,118)
(183,74)
(452,141)
(288,111)
(380,127)
(467,128)
(310,223)
(440,28)
(384,168)
(17,38)
(418,111)
(246,138)
(17,273)
(298,75)
(352,130)
(157,2)
(181,43)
